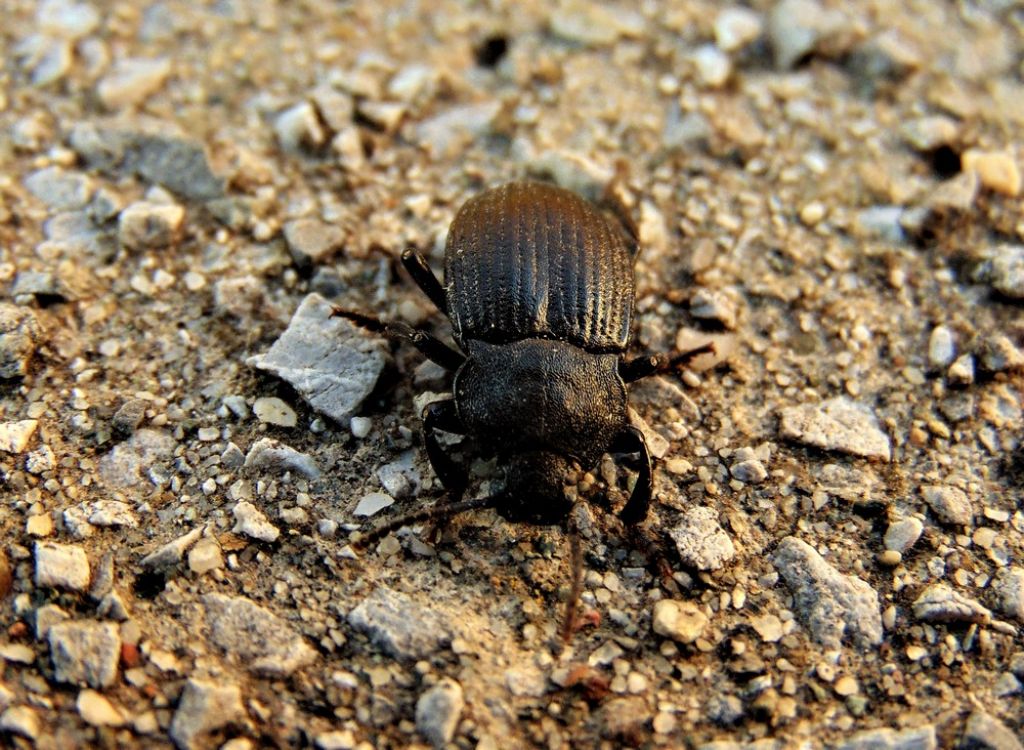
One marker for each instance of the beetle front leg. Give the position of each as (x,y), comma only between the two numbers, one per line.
(631,440)
(654,364)
(442,415)
(430,347)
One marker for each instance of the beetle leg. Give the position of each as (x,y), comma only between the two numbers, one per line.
(433,513)
(425,279)
(442,415)
(654,364)
(631,440)
(572,602)
(431,347)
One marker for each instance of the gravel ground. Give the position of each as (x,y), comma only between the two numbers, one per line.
(830,191)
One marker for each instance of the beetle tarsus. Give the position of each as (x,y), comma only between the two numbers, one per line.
(576,590)
(431,347)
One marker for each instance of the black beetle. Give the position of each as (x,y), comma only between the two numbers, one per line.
(539,289)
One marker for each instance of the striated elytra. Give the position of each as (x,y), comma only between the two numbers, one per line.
(540,291)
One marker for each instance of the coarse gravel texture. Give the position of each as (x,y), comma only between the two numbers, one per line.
(831,191)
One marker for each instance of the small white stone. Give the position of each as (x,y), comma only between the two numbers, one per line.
(205,556)
(941,346)
(15,436)
(61,565)
(713,66)
(736,27)
(901,535)
(249,520)
(146,226)
(360,426)
(133,80)
(373,503)
(95,709)
(274,411)
(681,621)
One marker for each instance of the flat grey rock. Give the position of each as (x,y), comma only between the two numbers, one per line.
(177,163)
(1009,588)
(85,652)
(399,625)
(838,424)
(940,603)
(985,732)
(63,566)
(833,606)
(950,504)
(920,738)
(438,710)
(267,453)
(332,364)
(20,334)
(259,639)
(59,189)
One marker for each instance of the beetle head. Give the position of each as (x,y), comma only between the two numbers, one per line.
(536,484)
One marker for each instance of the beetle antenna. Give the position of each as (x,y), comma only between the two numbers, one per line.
(576,560)
(433,513)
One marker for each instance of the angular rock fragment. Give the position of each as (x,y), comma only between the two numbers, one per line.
(85,652)
(258,638)
(332,364)
(1009,588)
(681,621)
(701,542)
(399,625)
(15,436)
(150,226)
(950,504)
(438,710)
(249,520)
(204,707)
(838,424)
(940,603)
(63,566)
(985,732)
(833,606)
(920,738)
(19,336)
(267,453)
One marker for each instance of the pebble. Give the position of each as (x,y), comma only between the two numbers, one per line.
(940,603)
(1008,270)
(961,372)
(985,732)
(920,738)
(929,133)
(679,620)
(711,304)
(273,455)
(795,28)
(360,427)
(170,554)
(701,541)
(112,513)
(880,222)
(311,241)
(623,719)
(838,424)
(438,710)
(342,739)
(736,27)
(129,416)
(249,520)
(399,625)
(833,606)
(999,354)
(205,707)
(67,20)
(124,464)
(950,504)
(22,721)
(178,164)
(20,334)
(60,189)
(273,410)
(299,127)
(373,503)
(1009,589)
(63,566)
(85,652)
(768,626)
(132,80)
(526,681)
(95,709)
(902,534)
(260,640)
(150,226)
(17,653)
(593,24)
(400,478)
(713,66)
(941,346)
(747,467)
(332,364)
(205,556)
(997,170)
(15,436)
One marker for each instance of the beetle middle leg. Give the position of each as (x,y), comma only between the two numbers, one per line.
(430,346)
(425,279)
(631,440)
(442,415)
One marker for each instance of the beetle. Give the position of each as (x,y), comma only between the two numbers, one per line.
(539,288)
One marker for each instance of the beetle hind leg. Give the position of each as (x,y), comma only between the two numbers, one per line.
(425,279)
(655,364)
